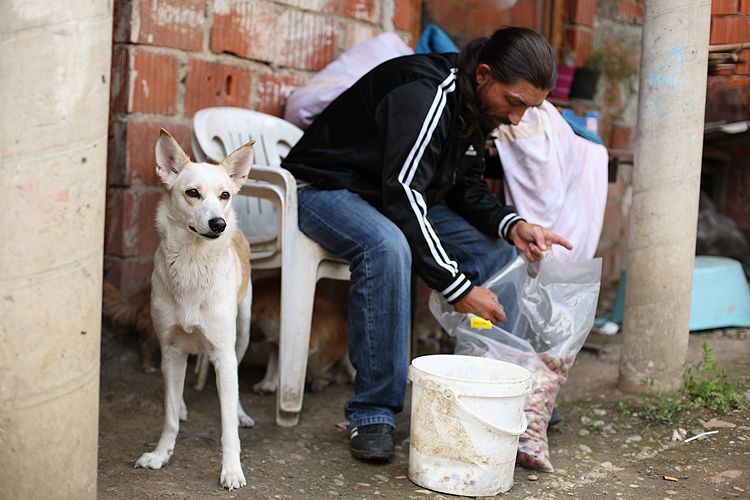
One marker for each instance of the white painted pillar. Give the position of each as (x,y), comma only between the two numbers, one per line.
(668,147)
(54,97)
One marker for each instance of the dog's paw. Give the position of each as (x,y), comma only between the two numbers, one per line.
(183,411)
(319,384)
(232,477)
(245,420)
(265,387)
(151,461)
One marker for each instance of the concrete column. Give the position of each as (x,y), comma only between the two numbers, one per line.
(668,146)
(54,97)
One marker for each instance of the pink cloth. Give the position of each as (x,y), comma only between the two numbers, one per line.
(307,102)
(555,178)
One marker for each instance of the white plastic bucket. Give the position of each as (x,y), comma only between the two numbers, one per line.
(466,416)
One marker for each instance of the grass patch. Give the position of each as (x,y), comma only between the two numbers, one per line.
(702,388)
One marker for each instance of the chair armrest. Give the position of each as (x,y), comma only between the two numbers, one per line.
(273,175)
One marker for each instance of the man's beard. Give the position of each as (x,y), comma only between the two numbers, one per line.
(491,122)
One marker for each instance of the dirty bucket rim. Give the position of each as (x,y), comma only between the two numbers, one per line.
(523,375)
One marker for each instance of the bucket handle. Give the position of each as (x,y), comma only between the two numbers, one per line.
(457,401)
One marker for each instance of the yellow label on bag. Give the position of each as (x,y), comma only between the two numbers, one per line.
(480,323)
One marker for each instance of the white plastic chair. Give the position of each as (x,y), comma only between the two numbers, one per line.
(219,131)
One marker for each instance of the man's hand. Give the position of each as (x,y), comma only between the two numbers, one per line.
(483,303)
(533,240)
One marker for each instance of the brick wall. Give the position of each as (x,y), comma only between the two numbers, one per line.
(173,57)
(465,20)
(728,99)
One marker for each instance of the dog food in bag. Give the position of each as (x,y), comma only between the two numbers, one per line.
(550,308)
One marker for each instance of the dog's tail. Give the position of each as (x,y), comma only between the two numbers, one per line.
(116,309)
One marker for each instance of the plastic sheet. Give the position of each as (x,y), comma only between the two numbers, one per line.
(550,308)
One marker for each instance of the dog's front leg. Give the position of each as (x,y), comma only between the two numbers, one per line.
(243,340)
(225,366)
(173,365)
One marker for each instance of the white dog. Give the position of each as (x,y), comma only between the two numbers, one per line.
(201,297)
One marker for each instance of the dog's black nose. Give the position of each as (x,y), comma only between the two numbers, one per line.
(217,224)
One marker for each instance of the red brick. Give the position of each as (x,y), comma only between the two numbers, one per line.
(727,98)
(724,7)
(579,40)
(633,57)
(621,138)
(455,19)
(363,10)
(214,84)
(743,65)
(131,159)
(323,6)
(130,228)
(168,23)
(612,225)
(355,33)
(610,254)
(273,90)
(129,275)
(407,14)
(484,22)
(143,81)
(729,29)
(154,83)
(308,40)
(247,29)
(581,11)
(745,7)
(121,14)
(524,14)
(615,190)
(119,77)
(630,10)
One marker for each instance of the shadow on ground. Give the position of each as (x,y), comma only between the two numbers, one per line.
(597,450)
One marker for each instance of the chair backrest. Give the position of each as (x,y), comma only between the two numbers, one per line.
(220,130)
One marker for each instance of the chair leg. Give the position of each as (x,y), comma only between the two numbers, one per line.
(297,298)
(201,368)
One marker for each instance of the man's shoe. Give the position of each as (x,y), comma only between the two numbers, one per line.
(373,443)
(555,419)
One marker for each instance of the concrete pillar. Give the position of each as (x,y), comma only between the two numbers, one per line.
(668,146)
(54,97)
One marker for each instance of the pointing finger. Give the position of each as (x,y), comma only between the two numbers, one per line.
(553,238)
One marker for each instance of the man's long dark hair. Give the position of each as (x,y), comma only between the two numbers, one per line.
(512,54)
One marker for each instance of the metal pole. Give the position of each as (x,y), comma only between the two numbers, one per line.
(54,96)
(668,146)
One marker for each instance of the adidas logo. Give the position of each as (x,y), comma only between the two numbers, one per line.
(471,151)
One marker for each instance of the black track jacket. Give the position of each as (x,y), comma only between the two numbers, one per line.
(389,138)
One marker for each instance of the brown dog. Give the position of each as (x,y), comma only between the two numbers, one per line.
(135,315)
(328,360)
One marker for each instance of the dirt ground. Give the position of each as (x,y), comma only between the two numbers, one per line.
(597,450)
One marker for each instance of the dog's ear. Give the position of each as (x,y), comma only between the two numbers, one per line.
(238,163)
(170,158)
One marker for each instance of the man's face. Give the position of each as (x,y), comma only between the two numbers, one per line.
(504,104)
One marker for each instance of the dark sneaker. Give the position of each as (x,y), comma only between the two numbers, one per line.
(373,443)
(555,419)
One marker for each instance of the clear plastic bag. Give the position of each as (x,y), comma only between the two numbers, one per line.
(550,308)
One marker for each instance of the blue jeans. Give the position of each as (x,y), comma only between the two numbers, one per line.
(380,297)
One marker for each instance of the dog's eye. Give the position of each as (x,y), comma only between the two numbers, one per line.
(224,195)
(193,193)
